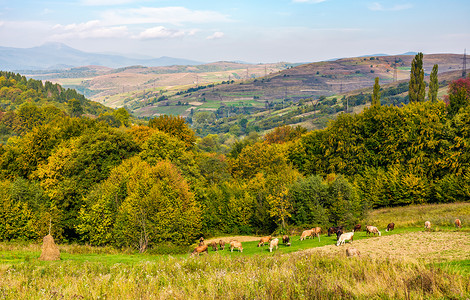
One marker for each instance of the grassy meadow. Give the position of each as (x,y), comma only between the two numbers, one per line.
(406,263)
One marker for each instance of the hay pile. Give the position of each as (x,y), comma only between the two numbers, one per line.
(49,250)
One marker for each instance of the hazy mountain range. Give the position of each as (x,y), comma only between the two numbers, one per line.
(61,56)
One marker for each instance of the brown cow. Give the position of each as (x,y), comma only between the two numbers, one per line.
(222,244)
(357,227)
(214,245)
(332,230)
(305,234)
(286,240)
(236,244)
(458,224)
(390,227)
(264,239)
(316,231)
(200,249)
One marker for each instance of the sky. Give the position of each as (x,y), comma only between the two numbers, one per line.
(255,31)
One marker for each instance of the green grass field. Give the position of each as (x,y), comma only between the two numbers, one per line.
(309,269)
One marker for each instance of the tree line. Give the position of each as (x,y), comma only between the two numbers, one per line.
(144,186)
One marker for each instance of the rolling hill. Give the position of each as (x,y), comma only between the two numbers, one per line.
(61,56)
(266,96)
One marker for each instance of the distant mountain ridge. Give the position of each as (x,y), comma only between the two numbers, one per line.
(61,56)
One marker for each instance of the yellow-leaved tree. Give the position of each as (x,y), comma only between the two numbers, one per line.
(142,206)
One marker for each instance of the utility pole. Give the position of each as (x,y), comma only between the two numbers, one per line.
(395,72)
(464,68)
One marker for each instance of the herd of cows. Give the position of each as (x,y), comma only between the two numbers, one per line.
(341,238)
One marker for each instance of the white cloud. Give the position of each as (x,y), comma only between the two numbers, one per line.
(91,29)
(216,35)
(161,32)
(165,15)
(379,7)
(105,2)
(308,1)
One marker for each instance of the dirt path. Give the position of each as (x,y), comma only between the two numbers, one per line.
(430,246)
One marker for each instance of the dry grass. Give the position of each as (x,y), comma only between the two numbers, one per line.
(416,215)
(413,246)
(303,275)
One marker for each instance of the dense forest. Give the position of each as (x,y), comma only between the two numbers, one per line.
(89,175)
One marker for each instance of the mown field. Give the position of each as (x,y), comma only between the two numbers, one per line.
(407,263)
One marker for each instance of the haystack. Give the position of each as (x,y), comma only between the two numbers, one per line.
(49,250)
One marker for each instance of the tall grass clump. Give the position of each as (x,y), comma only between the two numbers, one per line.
(294,276)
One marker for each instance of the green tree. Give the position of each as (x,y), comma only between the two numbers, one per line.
(417,86)
(141,206)
(77,165)
(433,84)
(459,95)
(176,126)
(122,115)
(75,108)
(308,197)
(376,93)
(279,207)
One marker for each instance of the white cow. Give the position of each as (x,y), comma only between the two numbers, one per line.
(273,244)
(348,236)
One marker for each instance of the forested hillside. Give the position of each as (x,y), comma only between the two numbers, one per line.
(28,103)
(104,181)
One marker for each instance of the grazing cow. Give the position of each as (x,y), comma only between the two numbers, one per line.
(236,244)
(332,230)
(200,249)
(350,252)
(264,239)
(458,224)
(372,229)
(427,225)
(286,240)
(273,244)
(201,241)
(316,231)
(214,245)
(357,227)
(348,236)
(222,244)
(305,234)
(339,233)
(390,227)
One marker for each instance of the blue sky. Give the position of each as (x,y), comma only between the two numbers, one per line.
(245,30)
